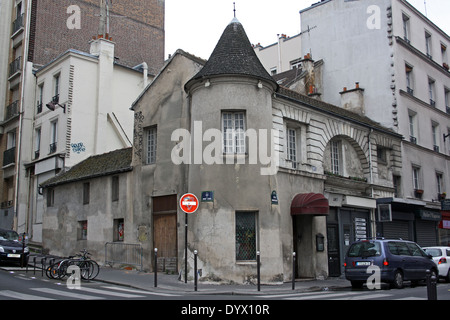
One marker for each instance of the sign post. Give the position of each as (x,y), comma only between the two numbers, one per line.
(189,204)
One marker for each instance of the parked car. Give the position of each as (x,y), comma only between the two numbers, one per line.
(11,249)
(441,256)
(398,260)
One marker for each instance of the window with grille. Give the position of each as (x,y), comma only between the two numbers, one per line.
(151,140)
(233,124)
(246,231)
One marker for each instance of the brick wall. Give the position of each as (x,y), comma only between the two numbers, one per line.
(136,26)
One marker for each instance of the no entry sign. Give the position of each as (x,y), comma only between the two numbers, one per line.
(189,203)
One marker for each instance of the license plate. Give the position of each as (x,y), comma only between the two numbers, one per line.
(363,263)
(13,255)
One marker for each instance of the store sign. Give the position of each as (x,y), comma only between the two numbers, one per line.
(360,229)
(445,205)
(430,215)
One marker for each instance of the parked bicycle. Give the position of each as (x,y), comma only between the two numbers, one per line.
(89,269)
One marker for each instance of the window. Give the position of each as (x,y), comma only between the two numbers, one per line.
(406,28)
(82,230)
(118,230)
(439,183)
(428,45)
(398,248)
(444,55)
(381,155)
(435,136)
(416,178)
(409,79)
(37,142)
(412,126)
(396,180)
(233,124)
(151,143)
(447,100)
(41,98)
(50,197)
(11,140)
(56,83)
(86,192)
(115,188)
(292,146)
(431,92)
(246,235)
(273,71)
(53,136)
(335,157)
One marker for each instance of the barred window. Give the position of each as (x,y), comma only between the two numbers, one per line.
(151,140)
(246,236)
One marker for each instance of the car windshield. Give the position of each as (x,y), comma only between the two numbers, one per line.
(365,249)
(435,252)
(9,235)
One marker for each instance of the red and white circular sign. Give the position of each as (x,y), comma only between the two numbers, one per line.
(189,203)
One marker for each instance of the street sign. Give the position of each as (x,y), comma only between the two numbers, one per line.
(189,203)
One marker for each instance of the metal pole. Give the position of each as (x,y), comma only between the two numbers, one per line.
(185,246)
(156,267)
(258,271)
(195,270)
(293,270)
(22,261)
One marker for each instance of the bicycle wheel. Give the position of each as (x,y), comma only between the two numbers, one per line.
(89,269)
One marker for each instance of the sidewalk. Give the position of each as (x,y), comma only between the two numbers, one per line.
(170,284)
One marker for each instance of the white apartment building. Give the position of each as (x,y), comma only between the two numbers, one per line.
(82,109)
(400,59)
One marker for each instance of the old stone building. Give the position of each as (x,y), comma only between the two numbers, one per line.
(267,164)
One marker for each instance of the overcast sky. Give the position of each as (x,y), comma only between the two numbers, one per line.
(196,25)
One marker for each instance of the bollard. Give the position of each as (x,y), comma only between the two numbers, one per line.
(43,260)
(34,267)
(195,270)
(22,260)
(293,270)
(156,267)
(258,269)
(431,286)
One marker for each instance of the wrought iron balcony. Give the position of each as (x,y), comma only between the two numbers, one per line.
(15,66)
(9,156)
(12,110)
(53,147)
(17,24)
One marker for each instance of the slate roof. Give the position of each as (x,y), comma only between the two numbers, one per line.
(233,55)
(95,166)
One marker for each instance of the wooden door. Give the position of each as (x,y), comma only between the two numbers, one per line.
(165,231)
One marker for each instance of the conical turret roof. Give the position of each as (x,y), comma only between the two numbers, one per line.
(233,55)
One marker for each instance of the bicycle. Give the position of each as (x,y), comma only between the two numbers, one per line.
(89,269)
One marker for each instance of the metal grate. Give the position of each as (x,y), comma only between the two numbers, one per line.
(245,235)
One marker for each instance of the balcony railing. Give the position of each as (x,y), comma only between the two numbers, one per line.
(9,156)
(39,107)
(15,66)
(12,110)
(17,24)
(53,147)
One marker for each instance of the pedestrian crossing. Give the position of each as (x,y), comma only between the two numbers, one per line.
(348,295)
(83,293)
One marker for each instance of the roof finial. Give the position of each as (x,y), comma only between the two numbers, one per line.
(234,9)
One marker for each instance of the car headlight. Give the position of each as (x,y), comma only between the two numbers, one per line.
(1,249)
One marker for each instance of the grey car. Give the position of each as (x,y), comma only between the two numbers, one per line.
(398,260)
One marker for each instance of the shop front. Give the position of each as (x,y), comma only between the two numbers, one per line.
(444,224)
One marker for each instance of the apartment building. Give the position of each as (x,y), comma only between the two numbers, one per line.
(400,58)
(37,33)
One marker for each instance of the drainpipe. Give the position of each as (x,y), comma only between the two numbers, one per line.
(21,112)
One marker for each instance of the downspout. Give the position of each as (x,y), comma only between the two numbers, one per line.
(21,112)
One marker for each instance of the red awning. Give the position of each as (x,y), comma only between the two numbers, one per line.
(310,203)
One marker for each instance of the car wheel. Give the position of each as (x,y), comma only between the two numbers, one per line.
(357,284)
(447,278)
(398,280)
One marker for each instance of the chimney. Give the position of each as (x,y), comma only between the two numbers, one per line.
(353,99)
(310,77)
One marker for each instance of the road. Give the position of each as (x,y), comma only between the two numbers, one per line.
(19,285)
